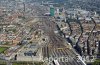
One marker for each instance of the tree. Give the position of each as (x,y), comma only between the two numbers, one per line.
(96,62)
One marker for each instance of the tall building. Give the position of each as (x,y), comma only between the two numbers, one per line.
(99,47)
(52,11)
(60,13)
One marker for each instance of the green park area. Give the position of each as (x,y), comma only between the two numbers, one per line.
(2,63)
(2,49)
(27,63)
(96,62)
(22,63)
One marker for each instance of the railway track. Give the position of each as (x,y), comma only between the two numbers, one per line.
(57,48)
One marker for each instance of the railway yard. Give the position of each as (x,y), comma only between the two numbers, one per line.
(30,35)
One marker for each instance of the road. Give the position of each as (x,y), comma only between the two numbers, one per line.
(88,43)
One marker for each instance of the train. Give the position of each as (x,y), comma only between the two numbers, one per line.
(55,62)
